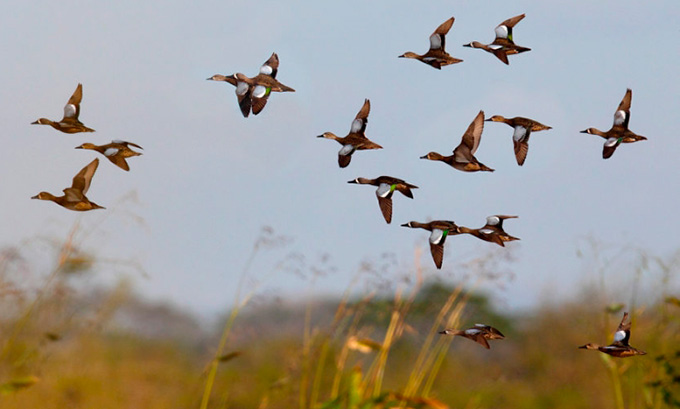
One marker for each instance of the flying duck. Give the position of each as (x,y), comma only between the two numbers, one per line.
(69,123)
(387,185)
(74,197)
(436,56)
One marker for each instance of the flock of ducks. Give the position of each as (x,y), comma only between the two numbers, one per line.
(117,151)
(253,94)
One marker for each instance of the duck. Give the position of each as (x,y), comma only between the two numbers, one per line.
(504,41)
(494,225)
(520,138)
(463,157)
(253,93)
(116,151)
(387,185)
(74,197)
(619,132)
(480,333)
(620,347)
(440,229)
(436,56)
(356,139)
(69,123)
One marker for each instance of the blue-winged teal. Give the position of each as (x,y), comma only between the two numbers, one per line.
(440,230)
(436,56)
(494,225)
(386,188)
(253,93)
(116,151)
(479,333)
(619,132)
(356,139)
(69,123)
(504,41)
(463,157)
(620,347)
(74,197)
(520,138)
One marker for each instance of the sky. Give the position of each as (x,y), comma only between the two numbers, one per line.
(191,208)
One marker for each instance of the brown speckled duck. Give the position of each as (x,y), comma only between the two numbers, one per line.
(356,140)
(74,197)
(479,333)
(116,151)
(504,41)
(436,56)
(387,185)
(440,229)
(619,132)
(523,128)
(463,157)
(69,123)
(620,347)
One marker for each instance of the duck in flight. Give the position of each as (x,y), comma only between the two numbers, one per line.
(620,348)
(70,122)
(387,185)
(74,197)
(436,56)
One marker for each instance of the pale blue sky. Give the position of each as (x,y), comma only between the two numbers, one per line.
(209,179)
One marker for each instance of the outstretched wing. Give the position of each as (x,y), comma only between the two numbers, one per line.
(622,114)
(471,138)
(82,180)
(72,107)
(438,38)
(360,121)
(271,66)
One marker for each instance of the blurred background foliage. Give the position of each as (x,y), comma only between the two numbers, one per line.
(67,341)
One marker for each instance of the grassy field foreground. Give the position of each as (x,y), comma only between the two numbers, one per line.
(64,347)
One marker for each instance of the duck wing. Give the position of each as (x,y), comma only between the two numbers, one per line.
(470,141)
(622,334)
(271,66)
(622,114)
(259,96)
(504,30)
(520,139)
(72,107)
(81,181)
(438,38)
(360,121)
(385,204)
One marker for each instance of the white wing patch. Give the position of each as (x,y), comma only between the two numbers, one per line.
(501,31)
(383,190)
(266,70)
(472,331)
(486,231)
(619,336)
(493,220)
(259,91)
(435,42)
(357,124)
(519,134)
(118,141)
(241,88)
(619,117)
(436,236)
(611,142)
(69,110)
(110,151)
(347,150)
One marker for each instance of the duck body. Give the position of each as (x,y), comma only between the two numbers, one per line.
(74,197)
(356,140)
(436,56)
(523,127)
(479,333)
(387,185)
(463,157)
(494,225)
(439,231)
(619,132)
(620,348)
(116,151)
(70,122)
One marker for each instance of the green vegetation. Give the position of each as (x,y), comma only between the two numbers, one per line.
(62,346)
